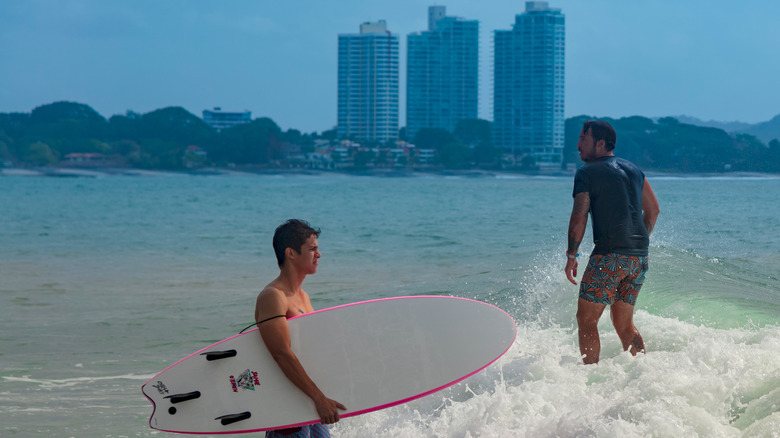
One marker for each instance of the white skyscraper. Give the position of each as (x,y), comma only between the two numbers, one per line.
(368,84)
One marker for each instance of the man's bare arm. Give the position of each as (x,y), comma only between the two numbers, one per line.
(578,222)
(650,207)
(276,336)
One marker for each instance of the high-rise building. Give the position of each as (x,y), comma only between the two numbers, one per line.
(442,73)
(528,85)
(368,84)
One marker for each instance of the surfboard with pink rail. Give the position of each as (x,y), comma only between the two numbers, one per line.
(369,355)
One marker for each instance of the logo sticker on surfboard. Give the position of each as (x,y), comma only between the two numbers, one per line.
(160,386)
(245,381)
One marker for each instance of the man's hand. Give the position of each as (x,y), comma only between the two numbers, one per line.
(571,269)
(328,410)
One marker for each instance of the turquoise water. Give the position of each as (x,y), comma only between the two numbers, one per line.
(107,281)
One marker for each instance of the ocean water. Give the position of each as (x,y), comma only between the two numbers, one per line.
(106,281)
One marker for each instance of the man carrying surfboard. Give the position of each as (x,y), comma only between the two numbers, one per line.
(624,211)
(297,253)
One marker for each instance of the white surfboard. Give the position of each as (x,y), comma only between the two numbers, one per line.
(368,356)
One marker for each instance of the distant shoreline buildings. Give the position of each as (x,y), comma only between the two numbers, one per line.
(220,120)
(442,83)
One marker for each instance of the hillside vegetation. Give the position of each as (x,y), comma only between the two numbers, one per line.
(161,139)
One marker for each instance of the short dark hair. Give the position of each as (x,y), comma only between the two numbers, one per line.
(601,130)
(292,234)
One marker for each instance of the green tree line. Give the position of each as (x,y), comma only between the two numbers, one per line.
(160,139)
(668,145)
(155,140)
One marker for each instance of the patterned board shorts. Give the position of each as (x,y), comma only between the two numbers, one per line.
(611,277)
(311,431)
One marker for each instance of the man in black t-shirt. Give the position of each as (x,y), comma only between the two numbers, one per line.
(624,210)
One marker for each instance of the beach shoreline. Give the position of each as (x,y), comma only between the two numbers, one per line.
(71,172)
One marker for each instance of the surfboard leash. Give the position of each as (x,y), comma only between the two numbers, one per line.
(258,323)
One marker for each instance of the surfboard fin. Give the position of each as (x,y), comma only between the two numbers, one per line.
(217,355)
(233,418)
(178,398)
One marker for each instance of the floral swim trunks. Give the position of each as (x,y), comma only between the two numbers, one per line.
(611,277)
(311,431)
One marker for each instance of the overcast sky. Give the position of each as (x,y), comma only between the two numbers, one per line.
(715,60)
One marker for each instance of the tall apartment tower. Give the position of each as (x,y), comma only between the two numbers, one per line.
(442,73)
(528,85)
(368,84)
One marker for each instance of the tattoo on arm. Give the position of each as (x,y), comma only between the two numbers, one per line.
(573,246)
(581,204)
(579,216)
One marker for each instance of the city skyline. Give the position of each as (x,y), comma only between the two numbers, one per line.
(711,60)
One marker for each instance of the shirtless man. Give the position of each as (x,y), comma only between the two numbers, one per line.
(297,253)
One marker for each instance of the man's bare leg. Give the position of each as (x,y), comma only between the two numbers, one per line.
(588,315)
(622,315)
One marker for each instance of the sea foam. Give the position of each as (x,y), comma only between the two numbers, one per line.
(695,381)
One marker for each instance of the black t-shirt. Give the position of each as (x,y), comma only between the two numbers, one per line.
(615,189)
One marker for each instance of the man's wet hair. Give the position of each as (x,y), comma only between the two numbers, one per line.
(601,130)
(292,234)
